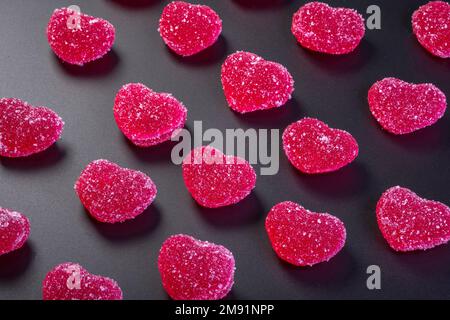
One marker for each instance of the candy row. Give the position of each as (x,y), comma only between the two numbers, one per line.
(191,269)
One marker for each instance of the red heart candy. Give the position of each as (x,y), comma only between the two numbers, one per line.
(251,83)
(70,281)
(302,237)
(14,230)
(147,117)
(409,222)
(322,28)
(195,270)
(431,25)
(217,180)
(25,130)
(402,107)
(114,194)
(77,38)
(313,147)
(188,29)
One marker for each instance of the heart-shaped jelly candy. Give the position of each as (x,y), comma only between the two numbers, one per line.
(251,83)
(188,28)
(409,222)
(216,180)
(431,25)
(25,130)
(78,38)
(322,28)
(302,237)
(146,117)
(114,194)
(195,270)
(70,281)
(401,107)
(14,230)
(313,147)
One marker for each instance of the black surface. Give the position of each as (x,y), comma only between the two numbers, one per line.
(331,88)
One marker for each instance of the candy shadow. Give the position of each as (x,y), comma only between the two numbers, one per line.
(157,153)
(247,211)
(334,273)
(13,264)
(211,55)
(98,68)
(428,139)
(261,4)
(341,64)
(135,4)
(40,160)
(140,226)
(279,117)
(424,263)
(419,53)
(346,182)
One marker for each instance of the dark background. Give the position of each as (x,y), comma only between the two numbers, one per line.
(331,88)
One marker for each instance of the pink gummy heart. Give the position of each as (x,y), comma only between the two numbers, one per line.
(302,237)
(409,222)
(70,281)
(146,117)
(322,28)
(402,107)
(313,147)
(114,194)
(431,25)
(187,28)
(251,83)
(14,230)
(195,270)
(25,130)
(216,180)
(77,38)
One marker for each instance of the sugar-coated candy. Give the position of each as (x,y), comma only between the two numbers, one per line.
(215,179)
(187,28)
(70,281)
(14,230)
(78,38)
(409,222)
(302,237)
(114,194)
(313,147)
(195,270)
(401,107)
(25,130)
(431,25)
(322,28)
(146,117)
(251,83)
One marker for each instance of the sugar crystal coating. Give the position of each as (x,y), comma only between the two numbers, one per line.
(89,39)
(251,83)
(187,28)
(313,147)
(322,28)
(114,194)
(215,179)
(431,25)
(195,270)
(26,130)
(146,117)
(302,237)
(401,107)
(409,222)
(14,230)
(70,281)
